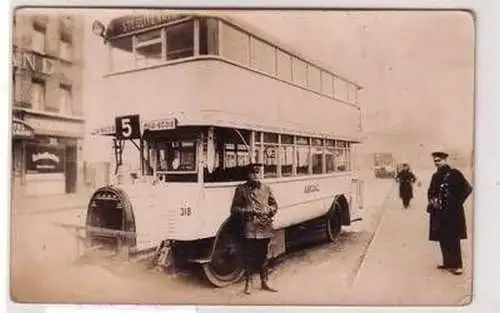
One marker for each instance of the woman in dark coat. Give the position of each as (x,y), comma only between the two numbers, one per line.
(406,180)
(447,192)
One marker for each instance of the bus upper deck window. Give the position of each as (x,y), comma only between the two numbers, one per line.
(180,40)
(149,48)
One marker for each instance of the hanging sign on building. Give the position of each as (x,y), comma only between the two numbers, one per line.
(21,130)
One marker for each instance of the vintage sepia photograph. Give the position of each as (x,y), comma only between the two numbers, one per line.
(242,157)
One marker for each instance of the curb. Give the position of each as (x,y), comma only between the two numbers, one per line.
(50,210)
(373,237)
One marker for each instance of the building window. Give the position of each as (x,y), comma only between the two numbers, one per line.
(66,105)
(38,95)
(38,40)
(180,40)
(65,49)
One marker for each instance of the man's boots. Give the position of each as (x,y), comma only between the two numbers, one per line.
(264,277)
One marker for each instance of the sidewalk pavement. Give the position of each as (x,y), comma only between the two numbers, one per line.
(399,267)
(50,203)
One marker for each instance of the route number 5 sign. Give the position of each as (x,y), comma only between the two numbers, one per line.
(128,127)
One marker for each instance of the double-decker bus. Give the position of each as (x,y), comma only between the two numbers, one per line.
(198,97)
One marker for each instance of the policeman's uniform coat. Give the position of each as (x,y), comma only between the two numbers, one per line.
(447,220)
(254,205)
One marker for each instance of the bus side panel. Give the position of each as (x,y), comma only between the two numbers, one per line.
(299,200)
(308,198)
(165,211)
(215,208)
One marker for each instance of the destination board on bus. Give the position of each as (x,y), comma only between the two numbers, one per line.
(164,124)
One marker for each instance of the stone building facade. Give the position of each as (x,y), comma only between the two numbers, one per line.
(47,109)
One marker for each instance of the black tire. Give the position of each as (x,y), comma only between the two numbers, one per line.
(334,224)
(226,266)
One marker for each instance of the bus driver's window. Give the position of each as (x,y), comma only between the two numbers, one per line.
(176,161)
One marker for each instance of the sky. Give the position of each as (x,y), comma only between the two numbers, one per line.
(416,69)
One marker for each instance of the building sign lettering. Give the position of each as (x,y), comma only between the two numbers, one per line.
(19,129)
(44,159)
(45,155)
(130,23)
(34,62)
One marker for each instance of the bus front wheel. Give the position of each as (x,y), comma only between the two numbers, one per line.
(334,224)
(226,265)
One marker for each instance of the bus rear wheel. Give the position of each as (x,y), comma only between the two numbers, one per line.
(334,224)
(226,266)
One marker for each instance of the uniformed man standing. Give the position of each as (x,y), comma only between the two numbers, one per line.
(447,192)
(406,179)
(255,206)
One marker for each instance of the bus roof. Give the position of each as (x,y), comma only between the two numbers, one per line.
(134,23)
(219,119)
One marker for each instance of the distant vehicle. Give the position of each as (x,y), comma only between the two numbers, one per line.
(384,165)
(385,171)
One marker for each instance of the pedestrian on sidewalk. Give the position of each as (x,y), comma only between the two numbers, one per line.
(406,179)
(447,192)
(254,206)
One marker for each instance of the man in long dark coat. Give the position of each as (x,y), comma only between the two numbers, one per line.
(255,206)
(406,179)
(447,192)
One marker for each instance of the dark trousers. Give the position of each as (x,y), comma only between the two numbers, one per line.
(255,252)
(452,253)
(406,201)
